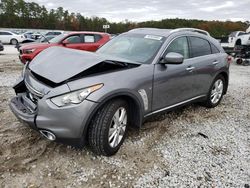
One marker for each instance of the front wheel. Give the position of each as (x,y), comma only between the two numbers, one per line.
(216,92)
(108,128)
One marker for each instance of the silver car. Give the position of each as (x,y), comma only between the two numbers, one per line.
(77,97)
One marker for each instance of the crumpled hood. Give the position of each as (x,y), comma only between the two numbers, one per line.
(58,64)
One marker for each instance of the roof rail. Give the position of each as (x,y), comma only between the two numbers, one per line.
(191,29)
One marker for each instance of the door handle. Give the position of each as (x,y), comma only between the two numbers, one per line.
(215,62)
(190,69)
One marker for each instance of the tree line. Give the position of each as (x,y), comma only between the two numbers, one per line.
(21,14)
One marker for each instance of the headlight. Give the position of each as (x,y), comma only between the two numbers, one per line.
(75,97)
(29,51)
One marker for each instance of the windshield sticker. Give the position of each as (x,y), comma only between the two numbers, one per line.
(153,37)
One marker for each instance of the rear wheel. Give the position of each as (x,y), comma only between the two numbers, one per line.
(108,128)
(239,61)
(216,92)
(13,41)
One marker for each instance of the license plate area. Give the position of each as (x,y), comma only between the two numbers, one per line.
(24,104)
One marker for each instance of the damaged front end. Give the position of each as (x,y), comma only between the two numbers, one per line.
(24,104)
(46,102)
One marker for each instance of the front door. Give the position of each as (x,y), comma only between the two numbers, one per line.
(173,84)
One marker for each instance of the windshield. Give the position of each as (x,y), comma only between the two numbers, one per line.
(57,39)
(134,47)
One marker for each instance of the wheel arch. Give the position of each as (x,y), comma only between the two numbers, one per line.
(135,107)
(238,42)
(13,39)
(226,77)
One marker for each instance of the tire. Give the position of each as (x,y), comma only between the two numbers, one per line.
(215,94)
(106,132)
(13,42)
(239,61)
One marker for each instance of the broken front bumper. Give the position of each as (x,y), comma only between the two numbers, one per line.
(67,124)
(24,109)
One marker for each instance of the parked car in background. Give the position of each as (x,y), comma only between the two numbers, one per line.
(28,34)
(54,33)
(11,37)
(89,41)
(248,30)
(1,46)
(237,38)
(74,96)
(42,39)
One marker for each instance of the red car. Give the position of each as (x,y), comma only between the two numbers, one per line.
(89,41)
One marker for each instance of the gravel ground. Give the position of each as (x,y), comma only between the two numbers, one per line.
(190,147)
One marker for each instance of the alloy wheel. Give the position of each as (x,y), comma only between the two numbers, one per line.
(217,91)
(117,127)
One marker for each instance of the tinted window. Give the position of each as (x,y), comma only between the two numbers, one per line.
(214,49)
(179,45)
(199,47)
(97,38)
(57,33)
(241,33)
(74,39)
(5,33)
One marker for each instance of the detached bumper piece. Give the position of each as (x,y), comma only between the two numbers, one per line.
(24,109)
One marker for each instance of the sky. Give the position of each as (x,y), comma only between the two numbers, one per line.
(144,10)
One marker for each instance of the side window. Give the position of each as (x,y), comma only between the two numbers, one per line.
(89,38)
(57,33)
(241,33)
(5,33)
(97,38)
(179,45)
(74,39)
(199,47)
(214,49)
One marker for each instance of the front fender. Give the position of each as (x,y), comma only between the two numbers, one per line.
(122,93)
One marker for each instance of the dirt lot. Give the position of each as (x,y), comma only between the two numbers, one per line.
(193,146)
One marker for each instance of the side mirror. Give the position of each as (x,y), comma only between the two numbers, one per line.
(173,58)
(65,42)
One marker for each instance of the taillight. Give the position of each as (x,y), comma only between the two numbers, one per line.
(229,59)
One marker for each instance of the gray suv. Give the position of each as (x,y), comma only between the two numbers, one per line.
(77,97)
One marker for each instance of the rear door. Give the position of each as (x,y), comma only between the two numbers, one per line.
(205,63)
(91,42)
(173,84)
(5,37)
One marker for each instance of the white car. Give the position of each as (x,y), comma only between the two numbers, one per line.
(248,30)
(237,38)
(11,37)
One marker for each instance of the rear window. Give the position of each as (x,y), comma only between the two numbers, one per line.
(199,47)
